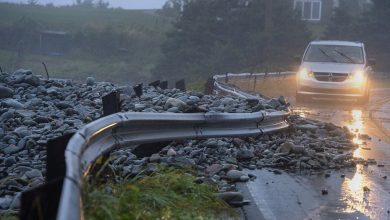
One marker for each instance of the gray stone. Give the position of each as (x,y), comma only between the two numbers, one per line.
(63,105)
(172,102)
(12,103)
(214,169)
(22,131)
(32,80)
(7,115)
(139,107)
(234,175)
(16,202)
(155,158)
(22,72)
(90,81)
(173,109)
(230,196)
(244,154)
(227,101)
(6,92)
(244,178)
(286,147)
(33,174)
(5,202)
(171,152)
(306,127)
(9,161)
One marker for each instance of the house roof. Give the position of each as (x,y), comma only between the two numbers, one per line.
(337,42)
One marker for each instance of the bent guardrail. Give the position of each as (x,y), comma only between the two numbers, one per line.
(129,129)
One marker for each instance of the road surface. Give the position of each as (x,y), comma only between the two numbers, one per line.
(364,192)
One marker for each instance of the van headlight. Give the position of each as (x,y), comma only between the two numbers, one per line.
(357,77)
(304,73)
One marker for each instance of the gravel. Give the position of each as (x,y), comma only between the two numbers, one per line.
(34,110)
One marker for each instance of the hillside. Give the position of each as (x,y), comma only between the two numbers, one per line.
(95,37)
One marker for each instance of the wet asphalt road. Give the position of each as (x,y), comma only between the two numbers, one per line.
(299,195)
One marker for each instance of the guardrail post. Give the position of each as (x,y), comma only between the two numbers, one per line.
(164,85)
(111,103)
(42,202)
(181,85)
(138,90)
(155,83)
(209,86)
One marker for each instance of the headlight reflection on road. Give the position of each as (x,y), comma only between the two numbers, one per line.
(355,125)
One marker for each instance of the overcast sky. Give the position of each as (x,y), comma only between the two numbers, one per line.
(127,4)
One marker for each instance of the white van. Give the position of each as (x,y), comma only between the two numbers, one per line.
(334,69)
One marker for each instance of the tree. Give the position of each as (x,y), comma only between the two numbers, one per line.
(374,29)
(219,36)
(341,24)
(32,2)
(102,4)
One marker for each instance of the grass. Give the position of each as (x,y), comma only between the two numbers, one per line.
(166,194)
(8,217)
(72,18)
(144,30)
(74,67)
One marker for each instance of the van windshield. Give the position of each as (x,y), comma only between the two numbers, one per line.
(334,53)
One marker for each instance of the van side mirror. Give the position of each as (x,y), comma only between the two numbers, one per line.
(297,59)
(371,62)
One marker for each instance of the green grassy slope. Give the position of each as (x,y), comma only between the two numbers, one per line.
(147,30)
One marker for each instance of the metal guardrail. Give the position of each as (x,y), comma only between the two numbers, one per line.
(129,129)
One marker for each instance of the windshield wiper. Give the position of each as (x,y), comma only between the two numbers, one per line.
(345,56)
(327,55)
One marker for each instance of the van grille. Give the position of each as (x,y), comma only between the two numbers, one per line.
(330,77)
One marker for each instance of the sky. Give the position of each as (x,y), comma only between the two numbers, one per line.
(126,4)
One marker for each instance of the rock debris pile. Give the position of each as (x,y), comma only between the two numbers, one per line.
(34,110)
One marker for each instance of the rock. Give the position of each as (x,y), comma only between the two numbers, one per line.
(324,192)
(274,103)
(172,102)
(282,100)
(12,103)
(154,158)
(90,81)
(227,101)
(298,149)
(42,119)
(5,202)
(6,92)
(32,80)
(139,107)
(16,202)
(306,127)
(214,169)
(7,115)
(245,154)
(171,152)
(9,161)
(173,110)
(63,105)
(234,175)
(230,196)
(22,131)
(244,178)
(33,174)
(286,147)
(22,72)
